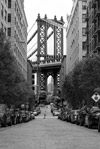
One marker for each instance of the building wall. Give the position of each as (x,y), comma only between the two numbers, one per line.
(29,73)
(75,38)
(93,27)
(14,23)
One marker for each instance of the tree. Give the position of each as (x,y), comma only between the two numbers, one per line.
(13,87)
(90,77)
(79,85)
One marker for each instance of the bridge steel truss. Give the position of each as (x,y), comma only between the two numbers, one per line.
(42,57)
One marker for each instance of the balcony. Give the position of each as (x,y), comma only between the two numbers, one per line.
(97,30)
(97,47)
(93,16)
(93,3)
(97,12)
(93,31)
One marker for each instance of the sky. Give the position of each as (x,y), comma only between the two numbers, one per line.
(49,7)
(42,7)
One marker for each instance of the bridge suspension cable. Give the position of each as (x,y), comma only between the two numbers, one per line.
(31,27)
(32,37)
(32,47)
(36,49)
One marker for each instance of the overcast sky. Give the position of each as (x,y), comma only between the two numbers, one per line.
(49,7)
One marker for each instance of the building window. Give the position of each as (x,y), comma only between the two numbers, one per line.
(9,17)
(83,45)
(2,9)
(84,31)
(9,31)
(83,18)
(84,5)
(9,3)
(5,1)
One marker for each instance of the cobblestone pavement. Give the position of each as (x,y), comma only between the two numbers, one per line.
(49,133)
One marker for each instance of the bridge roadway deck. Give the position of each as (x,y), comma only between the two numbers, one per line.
(55,65)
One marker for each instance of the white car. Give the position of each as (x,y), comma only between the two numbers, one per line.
(55,112)
(35,113)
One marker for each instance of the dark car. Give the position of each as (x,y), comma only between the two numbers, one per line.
(92,117)
(63,115)
(5,115)
(15,115)
(74,115)
(99,124)
(32,115)
(25,116)
(80,119)
(19,115)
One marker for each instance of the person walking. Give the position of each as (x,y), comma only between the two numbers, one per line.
(44,114)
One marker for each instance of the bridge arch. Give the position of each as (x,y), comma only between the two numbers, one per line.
(47,64)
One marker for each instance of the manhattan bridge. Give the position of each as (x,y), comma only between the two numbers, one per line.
(47,64)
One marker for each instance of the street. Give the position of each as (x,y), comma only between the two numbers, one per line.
(48,133)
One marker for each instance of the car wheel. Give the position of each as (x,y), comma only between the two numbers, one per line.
(81,123)
(99,125)
(89,124)
(15,121)
(10,122)
(4,122)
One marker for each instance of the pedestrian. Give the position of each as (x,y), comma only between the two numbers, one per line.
(44,115)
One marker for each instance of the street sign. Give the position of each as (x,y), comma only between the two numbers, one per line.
(96,97)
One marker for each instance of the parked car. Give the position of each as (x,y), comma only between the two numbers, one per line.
(24,115)
(73,117)
(5,115)
(37,111)
(14,115)
(63,115)
(32,115)
(99,124)
(80,118)
(55,112)
(68,116)
(92,117)
(19,115)
(60,115)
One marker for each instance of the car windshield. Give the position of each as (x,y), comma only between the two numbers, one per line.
(95,109)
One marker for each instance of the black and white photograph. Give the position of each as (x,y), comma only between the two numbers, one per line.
(50,74)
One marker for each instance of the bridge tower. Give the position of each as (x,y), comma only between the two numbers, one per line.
(42,27)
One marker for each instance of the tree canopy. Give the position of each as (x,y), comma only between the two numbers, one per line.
(13,87)
(79,85)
